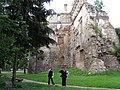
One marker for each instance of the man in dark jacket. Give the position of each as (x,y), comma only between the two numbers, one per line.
(50,76)
(63,76)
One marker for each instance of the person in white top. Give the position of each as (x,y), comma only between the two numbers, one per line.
(50,76)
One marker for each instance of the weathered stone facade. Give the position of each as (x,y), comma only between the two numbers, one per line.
(79,44)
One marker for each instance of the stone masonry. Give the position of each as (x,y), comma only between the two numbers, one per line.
(79,44)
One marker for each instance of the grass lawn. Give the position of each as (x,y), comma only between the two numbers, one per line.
(109,79)
(34,86)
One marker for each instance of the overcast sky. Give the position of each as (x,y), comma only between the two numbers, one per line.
(111,7)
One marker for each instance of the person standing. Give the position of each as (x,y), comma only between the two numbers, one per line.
(64,75)
(50,76)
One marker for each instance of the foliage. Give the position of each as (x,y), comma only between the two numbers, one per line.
(116,51)
(30,17)
(97,29)
(22,63)
(118,32)
(3,79)
(41,55)
(98,5)
(7,33)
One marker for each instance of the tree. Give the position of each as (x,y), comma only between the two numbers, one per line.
(12,36)
(27,26)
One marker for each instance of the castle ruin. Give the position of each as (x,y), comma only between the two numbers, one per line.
(84,40)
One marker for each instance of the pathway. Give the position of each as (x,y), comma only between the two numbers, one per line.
(92,88)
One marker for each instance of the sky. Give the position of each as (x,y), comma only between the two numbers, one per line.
(110,6)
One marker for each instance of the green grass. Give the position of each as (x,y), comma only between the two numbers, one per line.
(34,86)
(108,79)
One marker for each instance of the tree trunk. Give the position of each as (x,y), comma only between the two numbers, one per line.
(0,70)
(14,71)
(36,66)
(24,70)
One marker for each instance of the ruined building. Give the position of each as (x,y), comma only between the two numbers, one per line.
(85,38)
